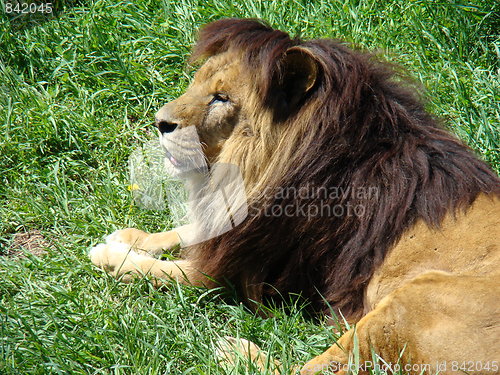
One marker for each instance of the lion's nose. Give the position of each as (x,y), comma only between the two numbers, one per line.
(165,126)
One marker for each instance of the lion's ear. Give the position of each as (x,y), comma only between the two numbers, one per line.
(299,75)
(301,67)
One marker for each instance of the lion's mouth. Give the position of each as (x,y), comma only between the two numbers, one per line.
(171,158)
(184,151)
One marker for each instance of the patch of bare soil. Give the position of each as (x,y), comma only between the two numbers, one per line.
(32,241)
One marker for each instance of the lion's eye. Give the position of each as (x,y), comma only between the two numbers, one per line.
(219,98)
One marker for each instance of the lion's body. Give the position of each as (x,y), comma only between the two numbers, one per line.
(417,269)
(467,245)
(450,279)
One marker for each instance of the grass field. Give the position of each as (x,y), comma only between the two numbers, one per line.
(78,92)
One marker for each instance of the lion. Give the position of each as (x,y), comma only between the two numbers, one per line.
(397,229)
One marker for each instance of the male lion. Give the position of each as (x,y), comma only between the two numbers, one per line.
(397,221)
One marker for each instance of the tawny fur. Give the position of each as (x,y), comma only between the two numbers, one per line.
(418,271)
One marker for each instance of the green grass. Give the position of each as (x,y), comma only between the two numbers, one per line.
(78,92)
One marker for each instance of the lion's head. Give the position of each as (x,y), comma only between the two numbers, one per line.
(215,104)
(318,131)
(235,120)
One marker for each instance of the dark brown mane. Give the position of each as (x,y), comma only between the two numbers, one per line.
(363,131)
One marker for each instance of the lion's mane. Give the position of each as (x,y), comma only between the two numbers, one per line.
(358,128)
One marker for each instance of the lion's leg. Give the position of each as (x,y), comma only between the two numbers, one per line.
(439,321)
(119,260)
(153,244)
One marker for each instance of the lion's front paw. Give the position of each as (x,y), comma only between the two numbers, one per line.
(153,244)
(116,259)
(130,236)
